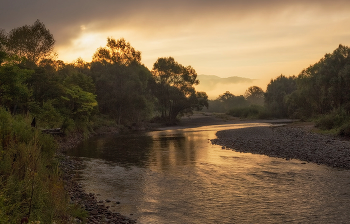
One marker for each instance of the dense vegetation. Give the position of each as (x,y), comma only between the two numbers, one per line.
(320,93)
(114,89)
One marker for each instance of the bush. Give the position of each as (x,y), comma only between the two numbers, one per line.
(30,185)
(331,121)
(344,130)
(253,111)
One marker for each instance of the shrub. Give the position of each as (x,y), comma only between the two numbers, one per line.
(252,111)
(344,130)
(332,120)
(30,185)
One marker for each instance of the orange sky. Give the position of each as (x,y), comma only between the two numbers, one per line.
(256,39)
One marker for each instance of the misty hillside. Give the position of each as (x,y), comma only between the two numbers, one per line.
(209,81)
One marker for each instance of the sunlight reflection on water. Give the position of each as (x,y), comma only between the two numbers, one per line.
(177,176)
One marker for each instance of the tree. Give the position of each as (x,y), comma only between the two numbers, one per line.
(230,101)
(122,82)
(34,42)
(276,92)
(326,84)
(2,46)
(14,93)
(174,89)
(120,52)
(254,95)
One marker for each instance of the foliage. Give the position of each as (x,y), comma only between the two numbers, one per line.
(254,95)
(344,129)
(117,52)
(227,101)
(13,89)
(30,185)
(252,111)
(277,91)
(122,83)
(325,86)
(34,42)
(332,120)
(174,89)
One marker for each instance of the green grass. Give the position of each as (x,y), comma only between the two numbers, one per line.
(337,123)
(30,182)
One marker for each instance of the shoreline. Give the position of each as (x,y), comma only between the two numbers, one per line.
(288,142)
(98,212)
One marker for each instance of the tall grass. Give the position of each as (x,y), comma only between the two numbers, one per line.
(338,121)
(30,184)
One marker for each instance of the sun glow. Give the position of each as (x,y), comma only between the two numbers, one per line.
(87,39)
(83,47)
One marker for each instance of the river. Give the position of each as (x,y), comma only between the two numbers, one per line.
(178,176)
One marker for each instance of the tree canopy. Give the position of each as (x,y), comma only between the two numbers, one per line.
(117,51)
(34,42)
(174,89)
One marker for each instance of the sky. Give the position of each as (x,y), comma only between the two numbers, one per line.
(254,39)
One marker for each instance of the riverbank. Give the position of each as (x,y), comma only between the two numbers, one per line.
(96,211)
(288,142)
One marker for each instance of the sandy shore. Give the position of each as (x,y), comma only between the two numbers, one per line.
(288,142)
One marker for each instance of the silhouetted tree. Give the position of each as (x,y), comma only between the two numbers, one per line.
(254,95)
(122,82)
(34,42)
(276,92)
(174,89)
(324,86)
(117,51)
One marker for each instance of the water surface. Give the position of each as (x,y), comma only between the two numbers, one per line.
(177,176)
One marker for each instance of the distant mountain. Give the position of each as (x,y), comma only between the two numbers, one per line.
(209,82)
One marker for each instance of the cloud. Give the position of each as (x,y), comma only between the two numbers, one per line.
(66,17)
(256,39)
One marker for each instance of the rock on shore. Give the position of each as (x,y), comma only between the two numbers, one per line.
(98,212)
(288,143)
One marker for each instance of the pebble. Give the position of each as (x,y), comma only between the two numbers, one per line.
(287,143)
(97,211)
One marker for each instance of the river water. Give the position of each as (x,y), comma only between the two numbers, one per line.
(177,176)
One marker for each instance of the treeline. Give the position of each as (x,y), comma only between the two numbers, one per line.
(320,93)
(37,89)
(115,84)
(249,105)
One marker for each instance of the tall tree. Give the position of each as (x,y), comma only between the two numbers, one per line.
(14,93)
(324,86)
(122,82)
(34,42)
(175,90)
(117,51)
(276,92)
(254,95)
(2,46)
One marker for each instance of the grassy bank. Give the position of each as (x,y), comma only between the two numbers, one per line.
(30,183)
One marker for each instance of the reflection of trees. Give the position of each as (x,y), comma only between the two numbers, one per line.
(128,150)
(161,152)
(170,151)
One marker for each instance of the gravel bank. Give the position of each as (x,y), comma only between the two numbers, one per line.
(98,210)
(288,143)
